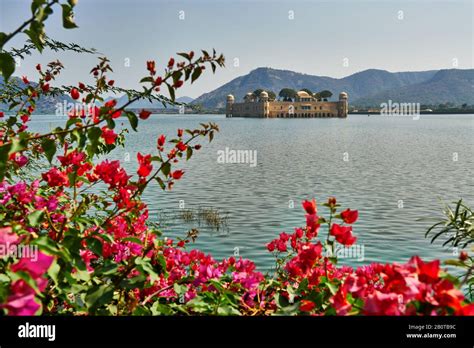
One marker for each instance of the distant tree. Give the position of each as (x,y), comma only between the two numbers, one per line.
(325,94)
(271,95)
(257,92)
(317,96)
(464,106)
(287,94)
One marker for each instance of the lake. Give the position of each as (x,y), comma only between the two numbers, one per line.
(397,171)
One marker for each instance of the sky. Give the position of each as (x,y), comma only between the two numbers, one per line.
(331,38)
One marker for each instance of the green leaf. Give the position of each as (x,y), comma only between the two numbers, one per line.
(7,65)
(49,147)
(68,17)
(189,152)
(171,92)
(94,245)
(54,271)
(99,295)
(3,37)
(166,168)
(4,150)
(196,73)
(184,55)
(35,217)
(147,79)
(46,244)
(160,182)
(133,119)
(93,134)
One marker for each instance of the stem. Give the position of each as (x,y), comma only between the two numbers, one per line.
(28,22)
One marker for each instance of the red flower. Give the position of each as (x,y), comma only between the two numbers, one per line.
(180,133)
(332,201)
(271,246)
(108,135)
(178,83)
(111,173)
(81,85)
(312,225)
(116,114)
(111,103)
(54,177)
(38,67)
(2,114)
(144,114)
(466,310)
(428,272)
(145,165)
(45,87)
(340,303)
(170,63)
(150,65)
(111,83)
(349,216)
(181,146)
(307,306)
(74,94)
(310,206)
(161,140)
(177,174)
(25,80)
(343,234)
(463,256)
(158,81)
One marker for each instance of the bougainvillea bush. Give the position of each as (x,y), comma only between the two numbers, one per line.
(75,237)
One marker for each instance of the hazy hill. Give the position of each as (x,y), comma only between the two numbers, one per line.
(366,87)
(44,105)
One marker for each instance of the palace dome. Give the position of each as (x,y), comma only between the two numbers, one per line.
(343,95)
(264,94)
(230,97)
(303,94)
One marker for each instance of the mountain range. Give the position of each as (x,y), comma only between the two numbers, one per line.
(366,88)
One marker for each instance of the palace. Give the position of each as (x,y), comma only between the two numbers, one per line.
(303,106)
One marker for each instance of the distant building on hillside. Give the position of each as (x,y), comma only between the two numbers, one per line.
(303,106)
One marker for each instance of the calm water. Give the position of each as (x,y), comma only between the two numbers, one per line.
(373,164)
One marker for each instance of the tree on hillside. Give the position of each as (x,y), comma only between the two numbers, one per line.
(287,94)
(325,94)
(317,96)
(256,93)
(271,95)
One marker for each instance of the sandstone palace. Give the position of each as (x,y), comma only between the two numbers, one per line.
(301,105)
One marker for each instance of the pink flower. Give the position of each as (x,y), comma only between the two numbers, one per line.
(7,237)
(35,267)
(382,304)
(21,302)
